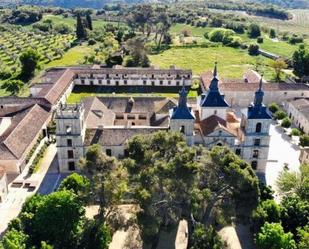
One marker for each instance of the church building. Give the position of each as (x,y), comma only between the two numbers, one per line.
(209,121)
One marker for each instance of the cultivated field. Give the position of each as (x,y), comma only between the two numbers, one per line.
(232,63)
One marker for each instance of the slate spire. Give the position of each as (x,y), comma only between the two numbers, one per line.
(259,94)
(214,82)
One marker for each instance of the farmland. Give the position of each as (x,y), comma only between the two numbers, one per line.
(232,62)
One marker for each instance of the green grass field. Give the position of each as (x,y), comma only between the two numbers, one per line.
(73,56)
(232,63)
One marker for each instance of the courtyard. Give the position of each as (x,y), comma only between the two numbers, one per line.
(282,152)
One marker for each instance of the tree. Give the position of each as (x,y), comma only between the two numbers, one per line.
(295,213)
(286,122)
(303,235)
(165,171)
(253,49)
(49,223)
(13,86)
(108,179)
(272,33)
(278,65)
(295,132)
(267,211)
(266,192)
(14,239)
(89,21)
(80,185)
(226,176)
(81,32)
(272,236)
(304,140)
(254,30)
(279,115)
(206,238)
(138,53)
(273,107)
(290,183)
(29,62)
(301,61)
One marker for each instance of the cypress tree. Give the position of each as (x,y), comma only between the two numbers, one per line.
(81,32)
(89,21)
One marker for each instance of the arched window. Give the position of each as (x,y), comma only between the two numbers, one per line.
(258,127)
(219,144)
(182,129)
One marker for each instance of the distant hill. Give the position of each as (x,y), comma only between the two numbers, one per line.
(78,3)
(295,4)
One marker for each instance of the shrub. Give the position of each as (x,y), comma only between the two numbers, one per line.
(279,115)
(5,73)
(91,42)
(253,49)
(286,122)
(254,30)
(304,140)
(260,39)
(273,107)
(272,33)
(217,35)
(295,132)
(296,39)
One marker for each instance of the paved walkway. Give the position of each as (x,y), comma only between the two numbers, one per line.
(282,151)
(17,196)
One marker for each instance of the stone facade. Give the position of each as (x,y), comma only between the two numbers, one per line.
(210,122)
(3,185)
(120,76)
(70,136)
(298,112)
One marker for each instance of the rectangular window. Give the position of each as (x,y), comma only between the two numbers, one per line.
(70,154)
(68,129)
(257,142)
(100,82)
(71,166)
(83,82)
(108,82)
(182,129)
(161,82)
(255,154)
(144,82)
(108,152)
(69,142)
(238,151)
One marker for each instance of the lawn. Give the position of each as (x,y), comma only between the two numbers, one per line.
(195,31)
(280,48)
(73,56)
(232,63)
(81,92)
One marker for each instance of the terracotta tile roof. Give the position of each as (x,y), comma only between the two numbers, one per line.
(23,129)
(302,105)
(114,136)
(97,114)
(54,93)
(252,76)
(266,87)
(212,123)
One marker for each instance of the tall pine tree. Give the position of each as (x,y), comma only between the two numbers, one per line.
(89,21)
(81,32)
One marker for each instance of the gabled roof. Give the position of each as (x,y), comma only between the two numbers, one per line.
(24,127)
(212,123)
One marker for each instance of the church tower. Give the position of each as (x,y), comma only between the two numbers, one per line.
(182,117)
(70,134)
(213,102)
(256,127)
